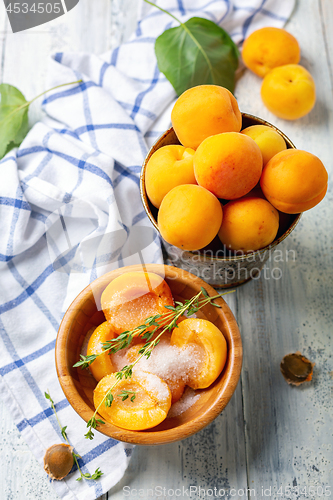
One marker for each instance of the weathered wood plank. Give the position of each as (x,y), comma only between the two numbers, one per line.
(21,476)
(326,17)
(3,35)
(288,430)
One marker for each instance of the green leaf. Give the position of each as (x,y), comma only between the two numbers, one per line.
(197,52)
(13,118)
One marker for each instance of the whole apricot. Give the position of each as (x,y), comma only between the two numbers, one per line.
(133,297)
(269,141)
(294,181)
(229,165)
(269,47)
(167,168)
(189,217)
(248,224)
(289,92)
(203,111)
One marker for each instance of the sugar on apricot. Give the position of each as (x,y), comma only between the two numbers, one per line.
(149,407)
(212,343)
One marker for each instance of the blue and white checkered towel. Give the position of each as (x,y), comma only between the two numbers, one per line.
(75,178)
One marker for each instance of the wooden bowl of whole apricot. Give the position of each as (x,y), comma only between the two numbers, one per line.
(148,355)
(224,188)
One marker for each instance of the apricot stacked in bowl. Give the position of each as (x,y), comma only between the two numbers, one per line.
(241,180)
(186,381)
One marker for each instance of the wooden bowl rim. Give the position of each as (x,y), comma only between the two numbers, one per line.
(235,352)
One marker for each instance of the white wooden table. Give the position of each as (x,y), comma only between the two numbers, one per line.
(271,436)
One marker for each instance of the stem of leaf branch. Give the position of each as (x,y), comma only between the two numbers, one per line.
(26,104)
(185,28)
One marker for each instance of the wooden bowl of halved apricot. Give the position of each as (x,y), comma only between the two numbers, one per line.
(148,355)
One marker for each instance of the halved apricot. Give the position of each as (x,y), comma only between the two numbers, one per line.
(162,363)
(149,407)
(133,297)
(102,365)
(213,346)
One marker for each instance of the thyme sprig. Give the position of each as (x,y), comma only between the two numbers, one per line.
(146,332)
(98,473)
(190,306)
(126,394)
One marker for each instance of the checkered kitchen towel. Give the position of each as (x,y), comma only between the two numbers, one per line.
(74,179)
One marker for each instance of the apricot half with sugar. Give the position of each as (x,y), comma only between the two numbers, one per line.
(148,408)
(213,348)
(294,181)
(164,362)
(133,297)
(203,111)
(102,365)
(167,168)
(229,165)
(189,217)
(249,223)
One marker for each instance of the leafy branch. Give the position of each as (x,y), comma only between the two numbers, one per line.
(169,322)
(98,473)
(196,52)
(14,107)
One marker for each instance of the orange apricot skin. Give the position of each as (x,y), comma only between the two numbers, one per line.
(208,337)
(189,217)
(269,47)
(269,140)
(133,297)
(102,365)
(145,412)
(289,92)
(229,165)
(250,223)
(203,111)
(294,181)
(167,168)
